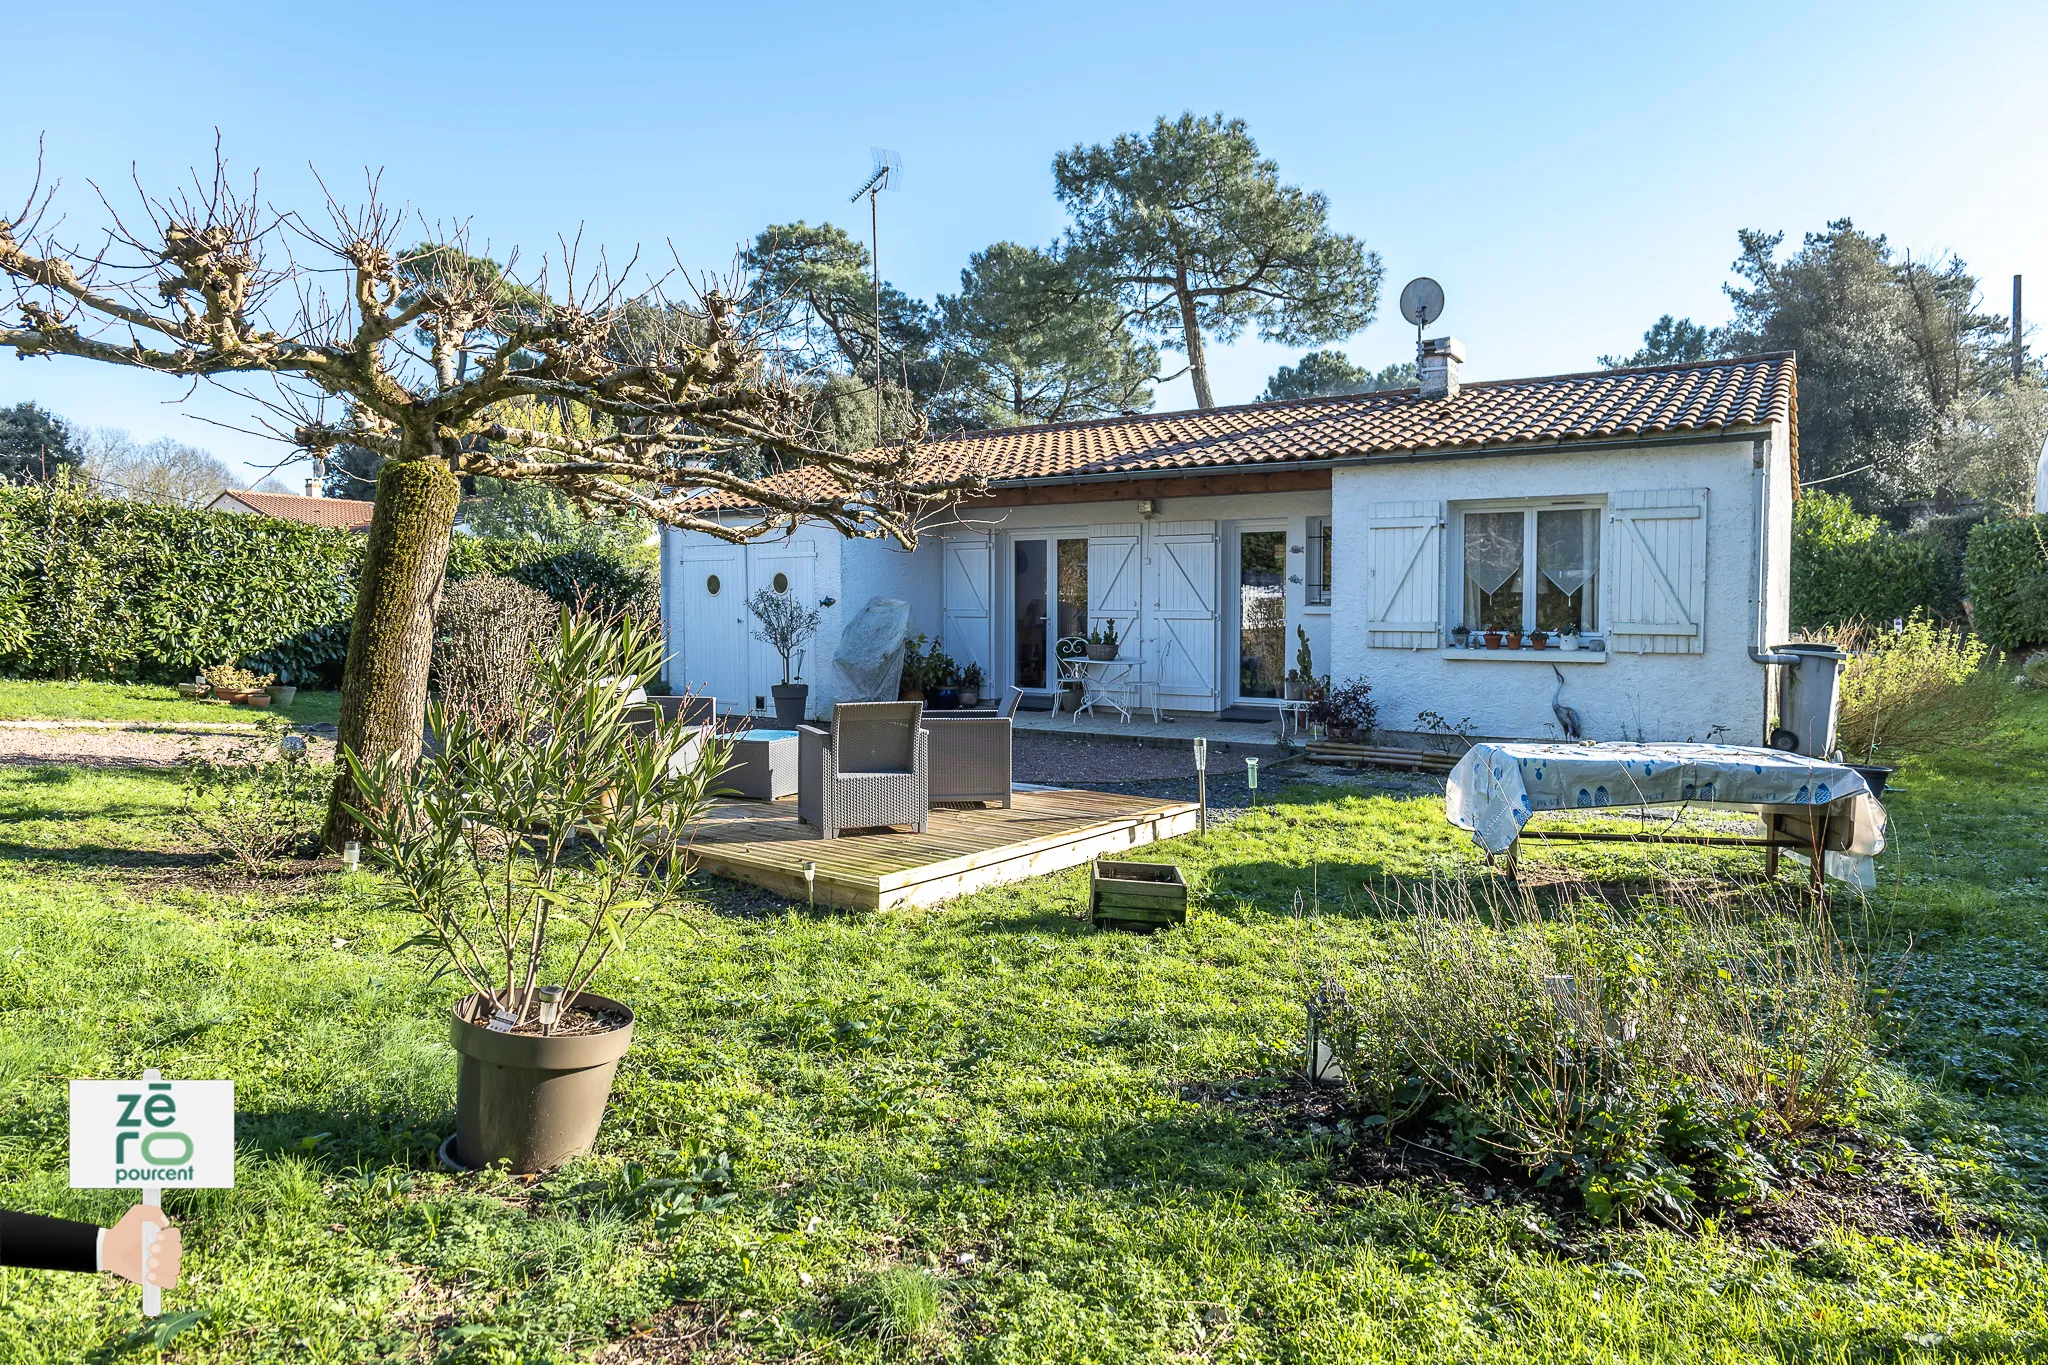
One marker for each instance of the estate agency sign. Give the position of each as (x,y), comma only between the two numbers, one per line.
(151,1132)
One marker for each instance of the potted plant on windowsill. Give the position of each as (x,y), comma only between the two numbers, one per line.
(534,848)
(786,625)
(1460,636)
(1493,637)
(1538,638)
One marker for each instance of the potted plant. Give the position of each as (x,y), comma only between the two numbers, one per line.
(1493,637)
(912,686)
(1291,688)
(786,625)
(971,683)
(282,694)
(1537,638)
(1568,641)
(1103,642)
(1513,640)
(940,674)
(233,684)
(1461,635)
(533,851)
(1346,711)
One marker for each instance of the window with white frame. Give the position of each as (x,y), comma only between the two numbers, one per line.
(1529,566)
(1318,575)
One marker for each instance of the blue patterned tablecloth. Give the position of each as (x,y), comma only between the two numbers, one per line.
(1495,788)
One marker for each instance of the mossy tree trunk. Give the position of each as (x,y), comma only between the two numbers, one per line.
(384,686)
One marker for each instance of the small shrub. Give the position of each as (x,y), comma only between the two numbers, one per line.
(1920,687)
(2033,674)
(255,801)
(1347,710)
(1649,1059)
(787,625)
(486,635)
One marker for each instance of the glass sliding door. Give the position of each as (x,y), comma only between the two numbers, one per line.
(1261,614)
(1028,603)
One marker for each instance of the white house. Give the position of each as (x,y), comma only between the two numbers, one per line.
(1649,509)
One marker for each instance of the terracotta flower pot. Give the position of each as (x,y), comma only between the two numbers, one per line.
(1493,639)
(1537,639)
(259,700)
(1514,640)
(530,1100)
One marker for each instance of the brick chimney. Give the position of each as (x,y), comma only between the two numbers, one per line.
(1438,363)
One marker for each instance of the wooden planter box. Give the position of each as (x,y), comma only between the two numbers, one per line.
(1143,896)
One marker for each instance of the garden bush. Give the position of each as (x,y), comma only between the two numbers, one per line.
(110,588)
(1920,686)
(2006,571)
(485,637)
(1654,1059)
(1849,567)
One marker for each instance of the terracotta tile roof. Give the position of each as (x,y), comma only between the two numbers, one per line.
(344,514)
(1700,397)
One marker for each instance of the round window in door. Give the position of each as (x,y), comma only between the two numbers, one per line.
(711,585)
(782,582)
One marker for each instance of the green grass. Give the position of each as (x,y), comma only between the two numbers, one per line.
(50,700)
(968,1132)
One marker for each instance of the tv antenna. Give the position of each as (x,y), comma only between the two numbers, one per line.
(888,175)
(1422,302)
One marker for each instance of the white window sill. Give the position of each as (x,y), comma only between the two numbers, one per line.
(1525,656)
(1312,609)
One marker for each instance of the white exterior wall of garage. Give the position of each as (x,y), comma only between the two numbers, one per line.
(1677,589)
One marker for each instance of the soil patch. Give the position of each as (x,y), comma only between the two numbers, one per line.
(679,1334)
(1874,1201)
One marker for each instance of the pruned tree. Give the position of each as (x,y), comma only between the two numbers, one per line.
(1191,231)
(419,360)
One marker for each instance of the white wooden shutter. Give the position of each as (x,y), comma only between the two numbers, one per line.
(1113,589)
(1656,571)
(1405,575)
(1184,598)
(964,618)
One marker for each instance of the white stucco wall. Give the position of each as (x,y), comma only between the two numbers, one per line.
(1654,696)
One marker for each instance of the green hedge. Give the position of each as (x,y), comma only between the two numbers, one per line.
(2006,572)
(1849,567)
(108,588)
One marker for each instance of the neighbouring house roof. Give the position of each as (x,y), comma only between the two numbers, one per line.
(344,514)
(1643,403)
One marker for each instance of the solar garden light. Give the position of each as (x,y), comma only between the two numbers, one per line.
(1251,778)
(1202,782)
(550,1007)
(351,855)
(811,882)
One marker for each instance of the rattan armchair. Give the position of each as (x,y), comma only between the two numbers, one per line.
(971,755)
(874,768)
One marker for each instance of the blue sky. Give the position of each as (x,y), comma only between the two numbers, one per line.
(1567,172)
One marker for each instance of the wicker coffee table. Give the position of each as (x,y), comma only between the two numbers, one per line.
(764,764)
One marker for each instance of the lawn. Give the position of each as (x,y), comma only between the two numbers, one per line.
(977,1132)
(153,702)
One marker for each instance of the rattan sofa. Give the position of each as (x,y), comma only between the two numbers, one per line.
(872,769)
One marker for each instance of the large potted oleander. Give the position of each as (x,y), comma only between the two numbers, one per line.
(534,846)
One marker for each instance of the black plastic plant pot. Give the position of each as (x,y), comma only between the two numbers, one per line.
(529,1100)
(790,701)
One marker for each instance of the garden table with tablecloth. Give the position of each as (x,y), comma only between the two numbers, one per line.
(1821,809)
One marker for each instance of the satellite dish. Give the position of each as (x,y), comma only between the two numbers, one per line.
(1422,301)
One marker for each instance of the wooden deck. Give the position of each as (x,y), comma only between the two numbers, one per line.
(962,850)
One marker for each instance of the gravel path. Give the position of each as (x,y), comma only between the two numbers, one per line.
(87,745)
